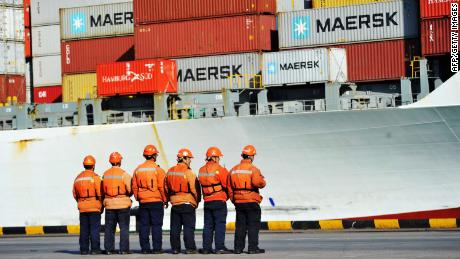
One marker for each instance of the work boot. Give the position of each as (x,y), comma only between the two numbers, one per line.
(107,252)
(256,251)
(125,252)
(175,252)
(158,252)
(145,252)
(204,251)
(224,251)
(237,251)
(96,252)
(191,251)
(84,252)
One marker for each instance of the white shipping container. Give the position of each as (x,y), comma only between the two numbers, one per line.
(97,21)
(11,24)
(292,5)
(46,41)
(297,67)
(46,12)
(27,72)
(12,58)
(370,22)
(47,70)
(214,73)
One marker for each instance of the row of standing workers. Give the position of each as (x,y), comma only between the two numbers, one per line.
(154,189)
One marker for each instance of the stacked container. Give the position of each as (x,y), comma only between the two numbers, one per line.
(12,57)
(90,36)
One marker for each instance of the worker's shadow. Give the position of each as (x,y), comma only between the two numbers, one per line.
(70,252)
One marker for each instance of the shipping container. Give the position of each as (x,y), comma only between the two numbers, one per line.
(204,37)
(83,56)
(46,41)
(26,8)
(296,67)
(337,3)
(436,36)
(292,5)
(48,94)
(436,8)
(12,87)
(155,11)
(12,60)
(80,86)
(14,3)
(97,21)
(137,77)
(47,70)
(370,22)
(214,73)
(379,61)
(28,75)
(27,45)
(12,23)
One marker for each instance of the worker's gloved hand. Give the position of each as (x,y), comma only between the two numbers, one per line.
(165,205)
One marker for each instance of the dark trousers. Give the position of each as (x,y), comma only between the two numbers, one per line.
(151,220)
(90,225)
(247,221)
(112,217)
(183,215)
(215,219)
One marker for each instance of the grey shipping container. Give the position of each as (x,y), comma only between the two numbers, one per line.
(305,66)
(46,41)
(292,5)
(97,21)
(12,23)
(46,12)
(370,22)
(47,70)
(214,73)
(12,60)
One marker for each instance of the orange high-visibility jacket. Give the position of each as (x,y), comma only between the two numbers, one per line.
(148,183)
(245,180)
(182,186)
(87,192)
(213,179)
(116,187)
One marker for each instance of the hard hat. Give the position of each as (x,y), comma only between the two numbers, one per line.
(89,161)
(115,158)
(214,151)
(249,150)
(150,150)
(184,153)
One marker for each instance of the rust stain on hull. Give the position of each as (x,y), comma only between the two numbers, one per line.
(23,143)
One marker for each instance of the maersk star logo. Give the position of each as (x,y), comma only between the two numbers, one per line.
(78,23)
(301,27)
(271,68)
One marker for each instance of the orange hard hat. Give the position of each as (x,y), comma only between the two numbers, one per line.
(150,150)
(89,160)
(184,153)
(214,151)
(115,158)
(249,150)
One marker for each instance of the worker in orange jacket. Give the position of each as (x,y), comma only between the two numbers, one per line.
(184,193)
(87,192)
(245,180)
(213,179)
(116,187)
(148,185)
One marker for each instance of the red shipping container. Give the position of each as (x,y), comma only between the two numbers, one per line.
(204,37)
(47,94)
(83,56)
(12,86)
(435,8)
(27,45)
(436,36)
(377,61)
(141,76)
(154,11)
(26,13)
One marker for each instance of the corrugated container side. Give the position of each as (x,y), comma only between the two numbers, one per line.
(214,73)
(371,22)
(12,23)
(47,70)
(12,60)
(83,56)
(12,86)
(204,37)
(81,86)
(436,36)
(97,21)
(27,46)
(46,41)
(26,8)
(435,8)
(292,5)
(154,11)
(48,94)
(377,61)
(337,3)
(46,12)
